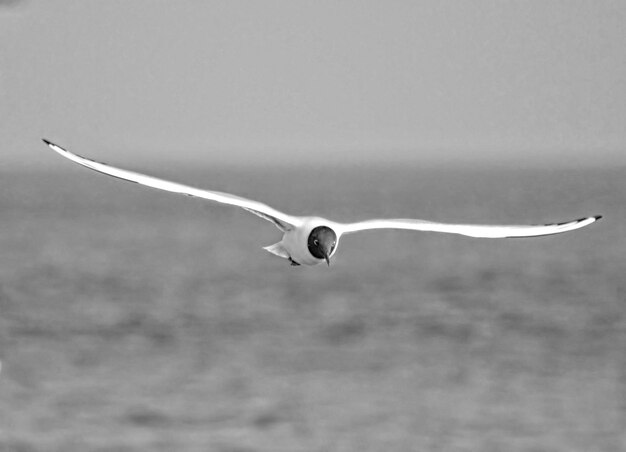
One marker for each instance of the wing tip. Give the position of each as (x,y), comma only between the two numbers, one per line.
(67,154)
(567,225)
(51,145)
(590,220)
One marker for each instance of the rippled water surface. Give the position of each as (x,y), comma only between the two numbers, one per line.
(136,320)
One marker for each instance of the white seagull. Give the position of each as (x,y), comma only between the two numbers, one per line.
(312,240)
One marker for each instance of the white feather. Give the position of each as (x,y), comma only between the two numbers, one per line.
(471,230)
(297,229)
(280,219)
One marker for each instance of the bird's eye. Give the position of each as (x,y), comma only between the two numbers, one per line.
(316,242)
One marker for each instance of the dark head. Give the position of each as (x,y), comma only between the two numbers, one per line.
(322,242)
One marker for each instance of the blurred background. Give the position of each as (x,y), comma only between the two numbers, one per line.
(136,320)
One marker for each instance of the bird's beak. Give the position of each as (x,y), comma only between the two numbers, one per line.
(327,259)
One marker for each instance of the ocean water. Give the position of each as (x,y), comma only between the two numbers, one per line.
(137,320)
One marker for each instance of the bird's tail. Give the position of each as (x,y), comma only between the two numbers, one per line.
(278,249)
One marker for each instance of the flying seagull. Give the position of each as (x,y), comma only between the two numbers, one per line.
(313,240)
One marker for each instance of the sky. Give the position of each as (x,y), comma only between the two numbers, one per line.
(153,82)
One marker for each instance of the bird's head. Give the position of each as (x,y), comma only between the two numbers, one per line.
(322,242)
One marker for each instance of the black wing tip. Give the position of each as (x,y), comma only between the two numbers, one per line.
(580,220)
(52,145)
(595,218)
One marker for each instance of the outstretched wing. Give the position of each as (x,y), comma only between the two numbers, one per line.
(283,221)
(472,230)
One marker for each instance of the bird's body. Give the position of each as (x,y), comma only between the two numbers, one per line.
(310,240)
(295,243)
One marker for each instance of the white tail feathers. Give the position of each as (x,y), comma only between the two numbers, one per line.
(278,249)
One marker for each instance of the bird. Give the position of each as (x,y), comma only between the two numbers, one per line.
(311,240)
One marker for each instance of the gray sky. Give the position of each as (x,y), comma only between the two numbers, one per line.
(267,82)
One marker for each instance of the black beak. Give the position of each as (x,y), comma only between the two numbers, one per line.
(327,259)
